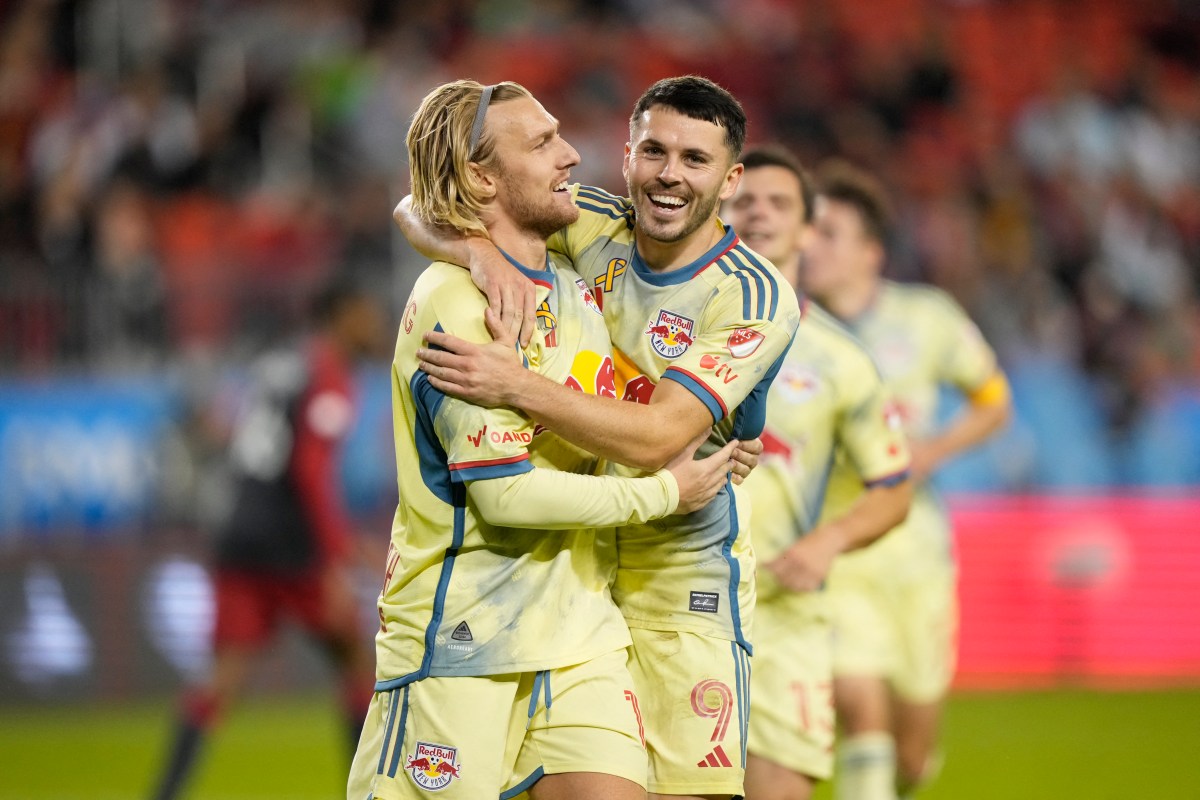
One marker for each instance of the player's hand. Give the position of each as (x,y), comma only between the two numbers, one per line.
(483,374)
(700,480)
(745,458)
(804,566)
(511,296)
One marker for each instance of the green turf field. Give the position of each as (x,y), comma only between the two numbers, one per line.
(1063,744)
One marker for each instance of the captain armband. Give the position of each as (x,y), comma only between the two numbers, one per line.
(994,391)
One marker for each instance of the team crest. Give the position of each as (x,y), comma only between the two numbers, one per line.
(588,299)
(671,335)
(433,766)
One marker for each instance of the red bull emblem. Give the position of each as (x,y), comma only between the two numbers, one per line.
(433,766)
(797,383)
(671,334)
(592,373)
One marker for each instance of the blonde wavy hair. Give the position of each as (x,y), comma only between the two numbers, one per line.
(444,189)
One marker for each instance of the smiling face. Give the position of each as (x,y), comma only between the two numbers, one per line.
(678,170)
(530,167)
(767,211)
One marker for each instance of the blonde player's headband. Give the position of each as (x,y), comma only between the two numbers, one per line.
(477,129)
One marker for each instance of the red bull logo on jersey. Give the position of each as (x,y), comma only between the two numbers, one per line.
(631,383)
(433,766)
(592,373)
(671,334)
(797,383)
(893,416)
(589,299)
(743,342)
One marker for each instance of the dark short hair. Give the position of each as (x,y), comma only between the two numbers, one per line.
(842,182)
(698,98)
(775,155)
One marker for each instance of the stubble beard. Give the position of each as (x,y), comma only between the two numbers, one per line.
(701,210)
(542,219)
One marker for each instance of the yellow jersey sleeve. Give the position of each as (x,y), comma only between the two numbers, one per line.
(968,361)
(601,215)
(546,499)
(870,427)
(479,442)
(734,358)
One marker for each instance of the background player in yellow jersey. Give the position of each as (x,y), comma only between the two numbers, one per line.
(827,402)
(895,612)
(495,604)
(699,324)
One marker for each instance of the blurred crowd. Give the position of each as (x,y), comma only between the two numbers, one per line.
(177,176)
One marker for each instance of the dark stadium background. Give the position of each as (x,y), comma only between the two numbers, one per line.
(177,177)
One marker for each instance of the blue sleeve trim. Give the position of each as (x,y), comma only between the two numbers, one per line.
(697,388)
(487,471)
(894,479)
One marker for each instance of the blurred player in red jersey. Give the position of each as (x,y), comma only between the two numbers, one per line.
(287,548)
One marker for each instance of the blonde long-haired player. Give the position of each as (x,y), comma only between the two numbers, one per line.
(501,663)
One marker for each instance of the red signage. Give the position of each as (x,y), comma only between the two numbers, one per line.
(1096,590)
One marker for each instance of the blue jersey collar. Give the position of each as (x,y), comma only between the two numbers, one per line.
(543,277)
(685,273)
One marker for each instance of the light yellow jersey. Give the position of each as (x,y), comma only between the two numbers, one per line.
(921,339)
(467,596)
(827,405)
(718,327)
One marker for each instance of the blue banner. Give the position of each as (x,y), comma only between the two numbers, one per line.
(80,454)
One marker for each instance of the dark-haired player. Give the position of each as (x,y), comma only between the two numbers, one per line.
(699,324)
(827,403)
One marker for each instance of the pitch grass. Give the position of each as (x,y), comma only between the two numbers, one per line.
(1053,745)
